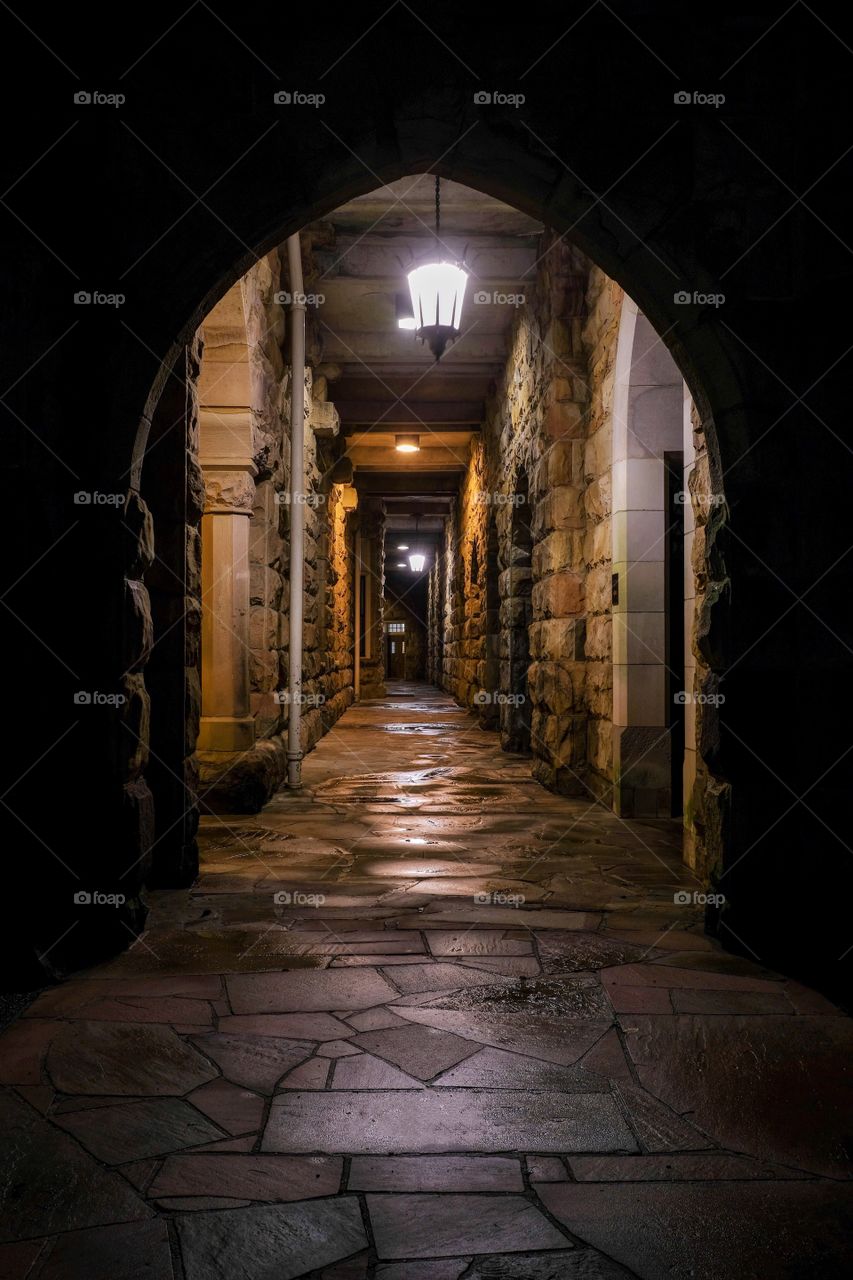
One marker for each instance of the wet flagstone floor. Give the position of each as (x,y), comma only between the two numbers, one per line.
(425,1021)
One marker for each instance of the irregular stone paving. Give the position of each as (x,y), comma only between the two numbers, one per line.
(425,1021)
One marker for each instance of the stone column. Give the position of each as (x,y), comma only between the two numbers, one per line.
(372,565)
(227,724)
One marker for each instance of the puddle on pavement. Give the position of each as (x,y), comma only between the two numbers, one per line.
(538,997)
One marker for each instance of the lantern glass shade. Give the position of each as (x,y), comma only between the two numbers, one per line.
(405,316)
(417,561)
(438,291)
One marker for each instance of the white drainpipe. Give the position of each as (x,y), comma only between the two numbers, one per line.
(297,511)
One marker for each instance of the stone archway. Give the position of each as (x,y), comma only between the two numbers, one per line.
(235,503)
(661,230)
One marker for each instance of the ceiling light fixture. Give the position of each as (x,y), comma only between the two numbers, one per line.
(402,546)
(408,444)
(438,291)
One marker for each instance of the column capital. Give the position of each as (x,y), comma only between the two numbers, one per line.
(229,490)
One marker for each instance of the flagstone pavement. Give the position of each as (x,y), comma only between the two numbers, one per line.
(423,1021)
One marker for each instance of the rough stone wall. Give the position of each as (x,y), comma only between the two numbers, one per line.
(329,640)
(464,563)
(568,536)
(600,334)
(537,488)
(327,601)
(706,807)
(435,618)
(173,580)
(538,493)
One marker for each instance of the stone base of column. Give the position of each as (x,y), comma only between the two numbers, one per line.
(642,772)
(372,683)
(230,734)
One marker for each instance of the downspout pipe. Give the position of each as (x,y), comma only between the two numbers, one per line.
(297,512)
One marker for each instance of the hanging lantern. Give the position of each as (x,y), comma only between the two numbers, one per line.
(417,559)
(438,291)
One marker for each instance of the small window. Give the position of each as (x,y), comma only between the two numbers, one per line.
(395,628)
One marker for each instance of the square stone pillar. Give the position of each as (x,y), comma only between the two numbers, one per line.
(370,634)
(227,724)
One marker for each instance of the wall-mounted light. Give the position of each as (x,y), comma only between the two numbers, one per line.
(438,291)
(407,444)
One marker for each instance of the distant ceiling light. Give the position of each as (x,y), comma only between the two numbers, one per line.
(416,561)
(405,315)
(401,564)
(438,291)
(402,546)
(408,444)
